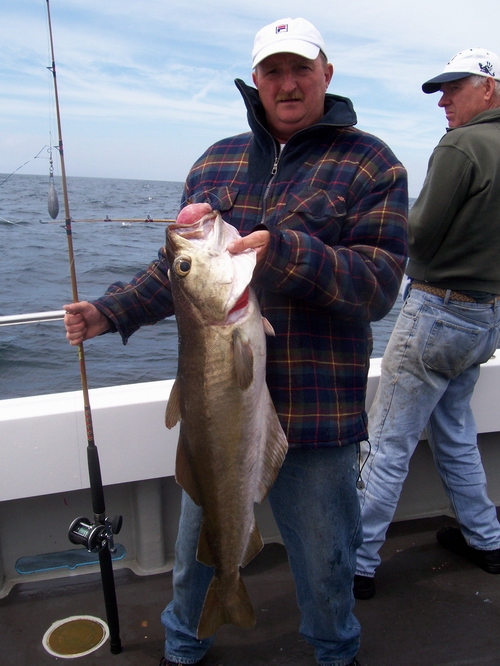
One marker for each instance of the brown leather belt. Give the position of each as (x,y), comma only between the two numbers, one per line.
(454,295)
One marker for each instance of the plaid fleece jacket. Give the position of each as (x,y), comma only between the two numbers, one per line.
(335,204)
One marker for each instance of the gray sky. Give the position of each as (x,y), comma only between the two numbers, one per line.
(146,86)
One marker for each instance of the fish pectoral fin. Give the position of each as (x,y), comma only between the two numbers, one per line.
(273,453)
(243,360)
(183,472)
(203,554)
(268,328)
(218,609)
(173,411)
(254,546)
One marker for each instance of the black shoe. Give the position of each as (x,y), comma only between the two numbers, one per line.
(452,539)
(364,587)
(354,663)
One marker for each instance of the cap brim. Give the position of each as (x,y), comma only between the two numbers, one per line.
(433,85)
(297,46)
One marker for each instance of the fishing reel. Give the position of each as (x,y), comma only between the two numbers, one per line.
(94,536)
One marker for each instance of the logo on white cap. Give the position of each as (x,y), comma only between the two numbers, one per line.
(487,68)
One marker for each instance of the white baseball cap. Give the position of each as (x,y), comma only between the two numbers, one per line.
(287,36)
(473,61)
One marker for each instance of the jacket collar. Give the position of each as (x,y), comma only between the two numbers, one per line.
(489,116)
(339,112)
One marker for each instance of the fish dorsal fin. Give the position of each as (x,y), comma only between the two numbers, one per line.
(243,360)
(183,472)
(173,411)
(254,546)
(203,554)
(268,329)
(274,450)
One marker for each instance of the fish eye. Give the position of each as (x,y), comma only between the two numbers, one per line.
(182,266)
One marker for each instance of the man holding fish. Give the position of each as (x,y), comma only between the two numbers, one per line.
(320,209)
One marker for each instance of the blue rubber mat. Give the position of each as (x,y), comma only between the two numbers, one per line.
(64,559)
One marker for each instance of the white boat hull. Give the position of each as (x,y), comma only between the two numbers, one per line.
(44,481)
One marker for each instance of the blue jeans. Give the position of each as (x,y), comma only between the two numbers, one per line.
(315,504)
(429,371)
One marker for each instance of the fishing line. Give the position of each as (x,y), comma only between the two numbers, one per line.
(37,156)
(52,199)
(106,528)
(51,127)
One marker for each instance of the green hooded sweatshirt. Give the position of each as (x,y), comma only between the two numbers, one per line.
(454,225)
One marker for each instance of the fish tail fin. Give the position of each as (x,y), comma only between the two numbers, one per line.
(217,611)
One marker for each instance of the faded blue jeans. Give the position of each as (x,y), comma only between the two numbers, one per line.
(429,371)
(315,504)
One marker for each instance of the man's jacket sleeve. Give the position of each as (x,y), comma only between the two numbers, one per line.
(145,300)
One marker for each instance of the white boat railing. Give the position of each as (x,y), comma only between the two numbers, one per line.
(42,438)
(32,317)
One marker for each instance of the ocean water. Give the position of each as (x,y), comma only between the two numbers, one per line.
(36,359)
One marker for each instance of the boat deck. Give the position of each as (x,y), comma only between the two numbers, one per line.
(431,609)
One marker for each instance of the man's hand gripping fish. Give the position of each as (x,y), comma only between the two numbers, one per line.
(231,444)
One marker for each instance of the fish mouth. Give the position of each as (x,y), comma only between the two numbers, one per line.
(198,230)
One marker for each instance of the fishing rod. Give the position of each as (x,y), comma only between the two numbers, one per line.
(97,536)
(122,220)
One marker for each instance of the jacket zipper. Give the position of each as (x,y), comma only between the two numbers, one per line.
(274,171)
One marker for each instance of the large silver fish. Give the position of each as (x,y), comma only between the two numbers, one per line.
(231,444)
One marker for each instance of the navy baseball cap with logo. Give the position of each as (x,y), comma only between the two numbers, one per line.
(473,61)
